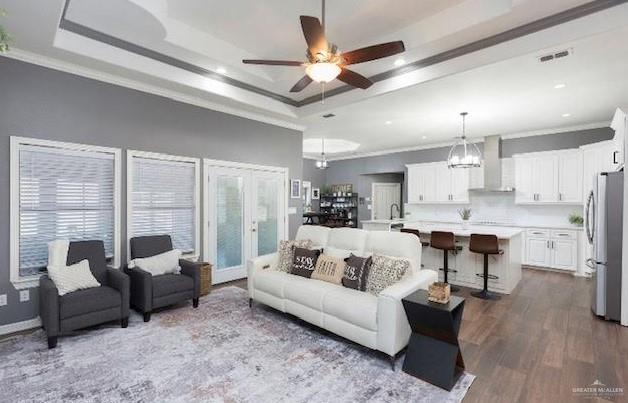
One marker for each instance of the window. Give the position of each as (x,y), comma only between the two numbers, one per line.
(163,197)
(60,191)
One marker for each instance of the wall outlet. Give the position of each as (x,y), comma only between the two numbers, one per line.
(25,295)
(3,300)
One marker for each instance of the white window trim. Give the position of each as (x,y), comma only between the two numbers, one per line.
(18,281)
(130,154)
(209,163)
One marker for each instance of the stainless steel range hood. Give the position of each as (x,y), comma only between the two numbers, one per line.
(492,167)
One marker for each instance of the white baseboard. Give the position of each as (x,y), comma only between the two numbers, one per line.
(19,326)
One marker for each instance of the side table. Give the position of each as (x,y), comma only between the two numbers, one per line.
(433,353)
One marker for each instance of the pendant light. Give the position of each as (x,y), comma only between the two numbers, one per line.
(322,163)
(462,153)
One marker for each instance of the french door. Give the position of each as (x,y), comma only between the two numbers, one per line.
(245,217)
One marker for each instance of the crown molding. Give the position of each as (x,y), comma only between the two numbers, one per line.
(71,68)
(509,136)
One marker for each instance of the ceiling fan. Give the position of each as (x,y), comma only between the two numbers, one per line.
(325,62)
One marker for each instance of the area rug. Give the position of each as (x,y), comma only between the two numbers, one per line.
(221,352)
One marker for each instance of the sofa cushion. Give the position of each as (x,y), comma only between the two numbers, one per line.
(307,291)
(385,271)
(87,301)
(397,244)
(271,282)
(356,272)
(304,261)
(344,241)
(330,269)
(356,307)
(285,253)
(317,234)
(167,284)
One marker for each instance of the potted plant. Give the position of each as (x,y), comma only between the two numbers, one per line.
(576,219)
(465,214)
(4,36)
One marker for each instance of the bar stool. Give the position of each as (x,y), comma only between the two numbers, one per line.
(486,245)
(446,242)
(418,234)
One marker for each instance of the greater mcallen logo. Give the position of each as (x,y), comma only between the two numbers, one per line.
(598,389)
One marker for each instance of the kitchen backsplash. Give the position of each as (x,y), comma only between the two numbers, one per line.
(497,208)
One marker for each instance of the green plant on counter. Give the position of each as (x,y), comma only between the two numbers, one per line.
(465,213)
(576,219)
(326,190)
(4,36)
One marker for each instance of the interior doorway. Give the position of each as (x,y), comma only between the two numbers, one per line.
(386,201)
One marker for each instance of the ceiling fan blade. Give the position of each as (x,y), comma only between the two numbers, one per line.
(373,52)
(354,79)
(301,84)
(314,34)
(273,62)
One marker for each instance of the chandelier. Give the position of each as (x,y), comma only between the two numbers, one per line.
(322,163)
(462,153)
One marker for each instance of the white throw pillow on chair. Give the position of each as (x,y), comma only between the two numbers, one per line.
(72,278)
(164,263)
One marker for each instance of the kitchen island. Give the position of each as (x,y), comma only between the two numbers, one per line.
(466,267)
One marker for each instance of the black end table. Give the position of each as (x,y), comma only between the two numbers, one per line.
(433,353)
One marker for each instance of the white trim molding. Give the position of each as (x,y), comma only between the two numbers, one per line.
(20,326)
(130,154)
(18,143)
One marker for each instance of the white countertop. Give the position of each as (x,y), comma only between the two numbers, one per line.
(391,222)
(500,231)
(509,225)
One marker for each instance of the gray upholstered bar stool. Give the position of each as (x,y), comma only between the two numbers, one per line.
(445,241)
(486,245)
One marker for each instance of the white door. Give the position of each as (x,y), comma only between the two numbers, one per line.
(245,218)
(545,178)
(524,189)
(570,177)
(384,196)
(538,252)
(442,185)
(564,254)
(414,184)
(428,191)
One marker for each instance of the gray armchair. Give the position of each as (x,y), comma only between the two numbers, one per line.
(149,292)
(84,308)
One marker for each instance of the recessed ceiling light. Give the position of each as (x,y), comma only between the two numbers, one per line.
(423,137)
(566,115)
(399,62)
(388,122)
(559,86)
(221,70)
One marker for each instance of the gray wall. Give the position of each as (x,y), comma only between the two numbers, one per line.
(42,103)
(359,170)
(316,176)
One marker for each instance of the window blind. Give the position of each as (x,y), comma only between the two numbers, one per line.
(164,200)
(63,194)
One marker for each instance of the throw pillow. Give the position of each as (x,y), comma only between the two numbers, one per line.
(304,261)
(72,278)
(356,272)
(164,263)
(385,271)
(286,253)
(330,269)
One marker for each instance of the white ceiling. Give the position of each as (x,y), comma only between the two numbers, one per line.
(503,87)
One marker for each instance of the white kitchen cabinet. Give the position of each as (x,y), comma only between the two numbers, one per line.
(556,249)
(620,125)
(436,183)
(538,252)
(570,177)
(553,177)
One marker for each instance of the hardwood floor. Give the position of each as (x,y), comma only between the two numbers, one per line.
(539,343)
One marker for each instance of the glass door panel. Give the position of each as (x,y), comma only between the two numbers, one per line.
(268,220)
(229,221)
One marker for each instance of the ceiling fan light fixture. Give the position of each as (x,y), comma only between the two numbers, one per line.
(323,72)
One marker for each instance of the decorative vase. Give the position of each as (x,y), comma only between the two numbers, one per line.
(465,224)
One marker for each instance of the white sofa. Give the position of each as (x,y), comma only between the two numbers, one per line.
(378,322)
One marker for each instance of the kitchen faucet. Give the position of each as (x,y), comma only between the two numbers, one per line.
(391,210)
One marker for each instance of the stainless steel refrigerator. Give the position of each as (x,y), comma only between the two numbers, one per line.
(604,230)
